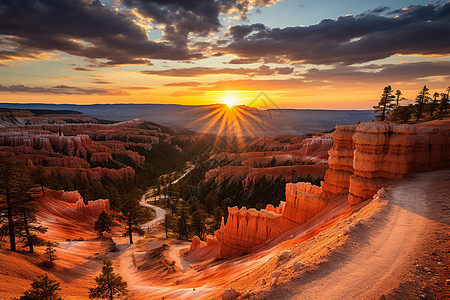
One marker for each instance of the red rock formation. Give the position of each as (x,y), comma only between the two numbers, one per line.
(364,158)
(93,208)
(250,176)
(337,177)
(246,229)
(303,201)
(71,196)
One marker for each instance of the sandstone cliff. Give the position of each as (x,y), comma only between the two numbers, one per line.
(364,158)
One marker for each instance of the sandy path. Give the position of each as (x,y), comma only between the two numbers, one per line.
(380,256)
(174,254)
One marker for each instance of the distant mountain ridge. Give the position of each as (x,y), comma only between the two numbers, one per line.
(275,121)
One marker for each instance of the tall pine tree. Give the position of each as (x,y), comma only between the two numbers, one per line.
(384,104)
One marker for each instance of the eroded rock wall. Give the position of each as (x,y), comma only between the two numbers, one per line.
(247,228)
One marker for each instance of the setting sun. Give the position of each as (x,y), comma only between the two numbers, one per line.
(230,101)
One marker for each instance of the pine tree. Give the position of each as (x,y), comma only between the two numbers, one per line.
(182,224)
(26,207)
(108,283)
(8,174)
(43,288)
(421,99)
(443,104)
(167,221)
(103,223)
(398,93)
(402,114)
(40,177)
(217,213)
(50,255)
(384,104)
(133,214)
(434,104)
(198,221)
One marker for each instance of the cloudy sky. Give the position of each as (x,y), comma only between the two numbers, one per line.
(302,53)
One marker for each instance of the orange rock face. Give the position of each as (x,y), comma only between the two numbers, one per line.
(93,208)
(246,229)
(364,158)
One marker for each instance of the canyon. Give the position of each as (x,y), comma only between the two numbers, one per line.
(364,159)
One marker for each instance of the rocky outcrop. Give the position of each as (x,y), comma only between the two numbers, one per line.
(71,196)
(246,229)
(93,208)
(249,176)
(340,161)
(386,151)
(303,201)
(364,159)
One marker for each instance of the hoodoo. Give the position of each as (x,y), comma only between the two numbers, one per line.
(363,159)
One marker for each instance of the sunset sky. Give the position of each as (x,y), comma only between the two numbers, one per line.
(303,54)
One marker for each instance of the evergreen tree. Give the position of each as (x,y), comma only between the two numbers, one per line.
(133,214)
(103,223)
(8,174)
(43,288)
(182,224)
(50,255)
(398,93)
(421,99)
(210,202)
(26,206)
(217,213)
(443,104)
(384,104)
(40,177)
(108,283)
(167,222)
(434,104)
(198,221)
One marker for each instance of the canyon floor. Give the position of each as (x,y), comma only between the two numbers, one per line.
(395,247)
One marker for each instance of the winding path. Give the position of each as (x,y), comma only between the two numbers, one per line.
(382,254)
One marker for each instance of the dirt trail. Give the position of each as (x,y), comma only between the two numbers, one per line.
(381,255)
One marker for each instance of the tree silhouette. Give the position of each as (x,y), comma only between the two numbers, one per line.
(443,104)
(40,177)
(218,214)
(8,174)
(198,221)
(133,214)
(108,283)
(401,114)
(43,288)
(26,206)
(398,93)
(103,223)
(434,104)
(50,255)
(421,99)
(384,104)
(182,224)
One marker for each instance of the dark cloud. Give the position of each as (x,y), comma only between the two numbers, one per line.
(351,39)
(82,69)
(83,28)
(59,89)
(184,17)
(251,60)
(403,72)
(102,82)
(201,71)
(240,31)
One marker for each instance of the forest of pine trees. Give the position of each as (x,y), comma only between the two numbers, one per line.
(425,107)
